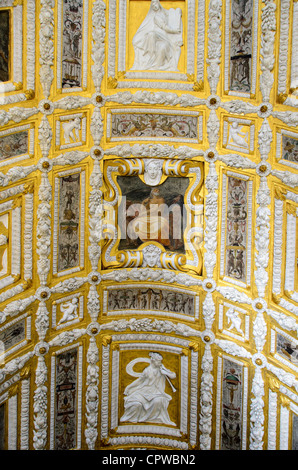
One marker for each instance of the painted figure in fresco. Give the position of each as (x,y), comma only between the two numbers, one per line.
(145,399)
(151,223)
(157,43)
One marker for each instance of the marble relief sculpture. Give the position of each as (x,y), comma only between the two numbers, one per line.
(72,130)
(69,310)
(157,43)
(145,398)
(153,172)
(237,136)
(233,320)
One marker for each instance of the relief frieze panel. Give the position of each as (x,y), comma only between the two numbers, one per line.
(147,299)
(233,321)
(149,125)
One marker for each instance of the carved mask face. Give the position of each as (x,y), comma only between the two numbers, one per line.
(152,171)
(150,259)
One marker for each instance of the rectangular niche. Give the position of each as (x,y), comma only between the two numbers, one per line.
(16,144)
(71,131)
(16,230)
(285,248)
(9,431)
(284,348)
(123,72)
(17,80)
(152,125)
(14,335)
(69,221)
(241,41)
(72,45)
(236,228)
(66,399)
(5,62)
(231,404)
(148,299)
(287,81)
(287,147)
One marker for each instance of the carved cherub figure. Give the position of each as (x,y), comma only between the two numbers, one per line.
(70,310)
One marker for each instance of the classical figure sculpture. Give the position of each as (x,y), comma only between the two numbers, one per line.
(157,43)
(145,399)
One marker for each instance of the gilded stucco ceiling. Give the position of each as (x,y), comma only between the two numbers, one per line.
(148,224)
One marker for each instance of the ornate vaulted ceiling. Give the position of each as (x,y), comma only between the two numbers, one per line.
(148,224)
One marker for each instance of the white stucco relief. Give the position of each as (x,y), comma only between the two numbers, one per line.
(157,43)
